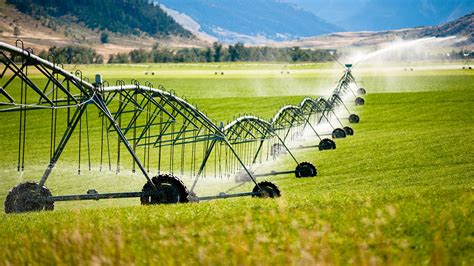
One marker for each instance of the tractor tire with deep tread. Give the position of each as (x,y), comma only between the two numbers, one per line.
(349,131)
(327,144)
(338,133)
(171,190)
(361,91)
(354,119)
(28,197)
(266,189)
(359,101)
(305,169)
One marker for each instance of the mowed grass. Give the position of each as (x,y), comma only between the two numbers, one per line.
(400,191)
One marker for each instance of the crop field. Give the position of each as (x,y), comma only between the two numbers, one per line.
(400,191)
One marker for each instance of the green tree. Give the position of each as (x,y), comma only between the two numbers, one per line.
(138,56)
(16,31)
(217,51)
(104,37)
(208,55)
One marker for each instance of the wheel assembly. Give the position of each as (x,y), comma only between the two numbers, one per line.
(349,131)
(170,190)
(327,144)
(28,197)
(266,189)
(361,91)
(305,169)
(338,133)
(354,119)
(359,101)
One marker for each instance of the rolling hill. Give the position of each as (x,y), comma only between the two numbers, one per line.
(251,21)
(126,17)
(463,28)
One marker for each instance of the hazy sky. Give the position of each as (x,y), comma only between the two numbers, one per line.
(386,14)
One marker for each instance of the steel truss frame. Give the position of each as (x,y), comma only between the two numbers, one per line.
(128,108)
(142,116)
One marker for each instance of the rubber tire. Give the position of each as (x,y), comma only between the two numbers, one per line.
(338,133)
(327,144)
(267,190)
(361,91)
(349,131)
(359,101)
(19,199)
(305,169)
(173,191)
(354,119)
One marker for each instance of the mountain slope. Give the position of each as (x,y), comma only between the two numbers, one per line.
(237,20)
(121,16)
(376,15)
(462,28)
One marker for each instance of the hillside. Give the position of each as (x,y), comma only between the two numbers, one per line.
(126,17)
(251,21)
(41,33)
(462,27)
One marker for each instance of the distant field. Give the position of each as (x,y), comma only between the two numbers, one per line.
(400,191)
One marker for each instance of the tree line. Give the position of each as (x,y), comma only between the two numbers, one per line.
(220,53)
(216,53)
(72,55)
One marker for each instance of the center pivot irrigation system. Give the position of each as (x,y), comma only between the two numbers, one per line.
(160,131)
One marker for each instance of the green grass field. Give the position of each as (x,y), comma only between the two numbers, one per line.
(400,191)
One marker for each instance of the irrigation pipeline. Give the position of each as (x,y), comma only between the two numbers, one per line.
(155,126)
